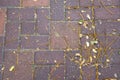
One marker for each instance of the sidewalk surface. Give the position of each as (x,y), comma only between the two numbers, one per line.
(59,39)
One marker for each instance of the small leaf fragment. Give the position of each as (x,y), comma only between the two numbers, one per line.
(12,68)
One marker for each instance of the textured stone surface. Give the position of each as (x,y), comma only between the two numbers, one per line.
(64,35)
(35,3)
(2,21)
(34,42)
(49,57)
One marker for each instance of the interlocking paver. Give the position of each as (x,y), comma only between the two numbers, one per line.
(78,14)
(106,2)
(9,3)
(28,28)
(49,57)
(64,35)
(107,27)
(89,73)
(57,10)
(24,72)
(26,58)
(85,3)
(34,42)
(13,14)
(57,72)
(24,14)
(2,21)
(72,73)
(110,13)
(43,24)
(1,49)
(72,4)
(39,73)
(9,61)
(110,72)
(11,38)
(0,72)
(35,3)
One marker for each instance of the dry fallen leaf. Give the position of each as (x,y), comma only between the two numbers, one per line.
(12,68)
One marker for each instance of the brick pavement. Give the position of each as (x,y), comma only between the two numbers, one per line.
(59,39)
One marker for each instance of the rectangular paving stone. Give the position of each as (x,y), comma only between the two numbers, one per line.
(49,57)
(43,21)
(107,2)
(9,61)
(71,58)
(34,42)
(12,32)
(88,73)
(57,10)
(27,14)
(78,14)
(0,72)
(57,73)
(70,4)
(42,73)
(9,3)
(102,13)
(1,49)
(25,58)
(28,28)
(64,35)
(35,3)
(110,41)
(23,72)
(85,3)
(112,71)
(72,73)
(2,21)
(13,14)
(115,57)
(111,28)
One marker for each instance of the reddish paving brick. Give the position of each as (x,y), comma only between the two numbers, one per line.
(28,28)
(25,58)
(85,3)
(107,2)
(75,14)
(102,13)
(43,18)
(34,42)
(115,58)
(35,3)
(88,73)
(9,3)
(23,72)
(57,73)
(57,10)
(71,58)
(110,41)
(112,71)
(42,73)
(13,14)
(64,35)
(1,49)
(72,4)
(0,72)
(12,32)
(9,61)
(72,73)
(24,14)
(49,57)
(2,21)
(111,28)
